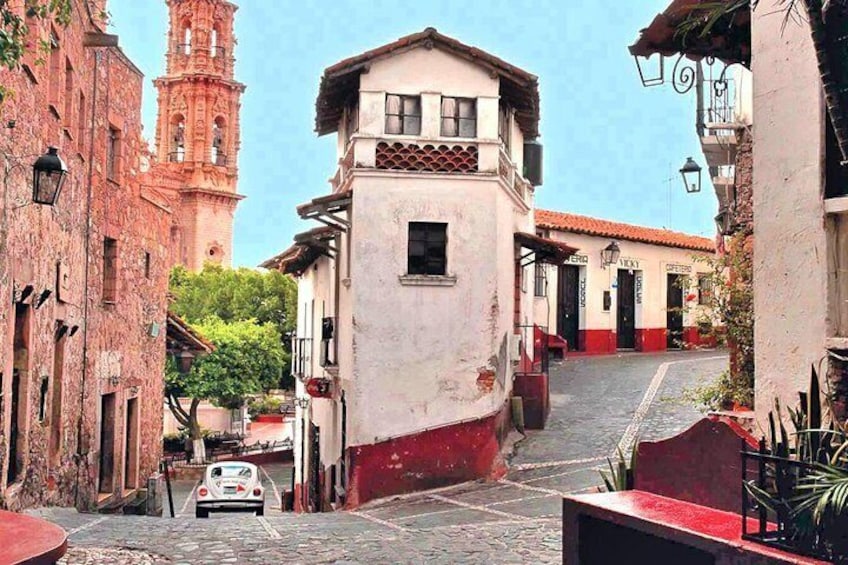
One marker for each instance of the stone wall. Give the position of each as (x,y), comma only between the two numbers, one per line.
(52,261)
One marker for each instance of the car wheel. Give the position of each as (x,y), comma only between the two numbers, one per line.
(201,513)
(260,511)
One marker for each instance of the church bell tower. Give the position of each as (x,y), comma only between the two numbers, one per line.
(197,132)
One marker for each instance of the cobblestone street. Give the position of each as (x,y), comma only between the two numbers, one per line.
(598,403)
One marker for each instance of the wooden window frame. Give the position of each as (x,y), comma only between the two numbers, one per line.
(540,286)
(433,236)
(402,116)
(457,118)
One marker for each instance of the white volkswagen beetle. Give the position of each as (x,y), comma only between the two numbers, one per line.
(233,486)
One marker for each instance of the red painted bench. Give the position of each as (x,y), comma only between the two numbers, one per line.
(641,527)
(29,540)
(553,341)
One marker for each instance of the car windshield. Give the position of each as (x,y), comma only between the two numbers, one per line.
(231,471)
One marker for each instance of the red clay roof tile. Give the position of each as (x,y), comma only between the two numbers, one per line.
(561,221)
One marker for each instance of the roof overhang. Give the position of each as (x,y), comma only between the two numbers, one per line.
(685,28)
(181,337)
(340,82)
(308,247)
(326,209)
(543,250)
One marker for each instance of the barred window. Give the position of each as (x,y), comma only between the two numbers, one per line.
(427,253)
(459,117)
(541,280)
(705,290)
(403,114)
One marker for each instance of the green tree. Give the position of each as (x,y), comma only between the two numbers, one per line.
(234,295)
(248,359)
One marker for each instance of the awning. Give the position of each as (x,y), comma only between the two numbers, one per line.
(544,250)
(326,209)
(308,247)
(729,38)
(181,337)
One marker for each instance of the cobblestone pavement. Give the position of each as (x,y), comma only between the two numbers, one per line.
(597,404)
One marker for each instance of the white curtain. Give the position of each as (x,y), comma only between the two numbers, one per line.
(393,114)
(449,117)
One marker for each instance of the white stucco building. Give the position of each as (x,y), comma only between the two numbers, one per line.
(411,333)
(652,298)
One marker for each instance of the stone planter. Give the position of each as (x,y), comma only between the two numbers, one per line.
(270,419)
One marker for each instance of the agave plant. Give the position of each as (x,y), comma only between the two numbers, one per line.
(621,475)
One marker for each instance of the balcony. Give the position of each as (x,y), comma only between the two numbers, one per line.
(438,156)
(717,122)
(301,364)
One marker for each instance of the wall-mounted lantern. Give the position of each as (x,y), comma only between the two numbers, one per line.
(610,254)
(653,79)
(691,173)
(302,402)
(724,222)
(184,361)
(49,173)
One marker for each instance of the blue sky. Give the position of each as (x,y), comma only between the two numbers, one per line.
(610,143)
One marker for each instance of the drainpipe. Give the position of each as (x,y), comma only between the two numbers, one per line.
(89,183)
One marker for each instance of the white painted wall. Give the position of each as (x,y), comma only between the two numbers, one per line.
(654,262)
(790,269)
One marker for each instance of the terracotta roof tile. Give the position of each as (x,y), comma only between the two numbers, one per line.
(561,221)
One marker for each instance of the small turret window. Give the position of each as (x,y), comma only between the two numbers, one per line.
(403,114)
(177,149)
(459,117)
(219,155)
(185,46)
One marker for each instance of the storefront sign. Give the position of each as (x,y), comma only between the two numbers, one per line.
(582,293)
(678,269)
(639,289)
(578,260)
(319,388)
(627,263)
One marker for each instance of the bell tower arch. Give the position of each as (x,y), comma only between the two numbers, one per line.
(197,131)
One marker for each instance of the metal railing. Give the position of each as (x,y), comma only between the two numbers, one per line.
(302,358)
(774,524)
(716,105)
(533,349)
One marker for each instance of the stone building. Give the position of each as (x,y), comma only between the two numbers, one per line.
(413,326)
(195,164)
(83,331)
(657,294)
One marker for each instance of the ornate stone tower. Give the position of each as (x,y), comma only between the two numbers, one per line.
(197,133)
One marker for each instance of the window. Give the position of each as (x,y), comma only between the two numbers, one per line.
(110,270)
(836,175)
(541,280)
(147,264)
(459,117)
(403,114)
(427,248)
(55,76)
(56,395)
(69,93)
(219,155)
(177,151)
(113,154)
(81,128)
(607,301)
(705,290)
(213,42)
(42,400)
(504,125)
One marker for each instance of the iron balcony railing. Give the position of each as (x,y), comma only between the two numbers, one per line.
(773,523)
(302,358)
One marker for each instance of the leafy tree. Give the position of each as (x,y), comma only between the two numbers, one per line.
(234,295)
(248,359)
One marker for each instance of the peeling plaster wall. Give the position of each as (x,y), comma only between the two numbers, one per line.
(654,262)
(419,348)
(790,267)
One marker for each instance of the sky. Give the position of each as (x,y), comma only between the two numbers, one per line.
(612,147)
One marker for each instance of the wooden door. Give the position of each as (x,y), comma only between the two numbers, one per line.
(107,443)
(674,312)
(131,452)
(568,304)
(626,327)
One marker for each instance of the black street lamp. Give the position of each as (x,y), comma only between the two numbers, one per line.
(610,254)
(691,173)
(49,172)
(724,222)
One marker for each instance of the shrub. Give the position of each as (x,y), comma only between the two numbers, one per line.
(264,405)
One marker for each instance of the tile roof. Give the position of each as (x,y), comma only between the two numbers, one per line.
(341,80)
(561,221)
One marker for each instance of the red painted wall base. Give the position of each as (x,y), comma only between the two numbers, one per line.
(600,342)
(429,459)
(651,339)
(535,396)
